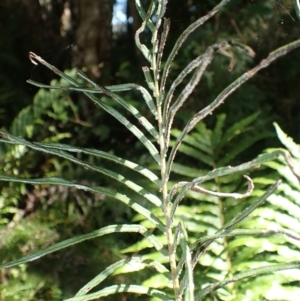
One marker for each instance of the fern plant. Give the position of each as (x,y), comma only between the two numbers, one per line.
(181,255)
(282,212)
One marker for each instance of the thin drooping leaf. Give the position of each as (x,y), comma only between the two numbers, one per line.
(201,245)
(116,88)
(162,43)
(223,171)
(183,38)
(95,189)
(240,217)
(134,261)
(141,264)
(132,128)
(242,232)
(122,288)
(273,56)
(97,153)
(146,23)
(188,280)
(143,15)
(130,108)
(248,274)
(188,69)
(189,88)
(60,153)
(78,239)
(252,207)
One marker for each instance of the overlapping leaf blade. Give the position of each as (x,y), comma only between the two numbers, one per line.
(63,154)
(95,189)
(78,239)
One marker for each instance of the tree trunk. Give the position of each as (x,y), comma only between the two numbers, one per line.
(93,36)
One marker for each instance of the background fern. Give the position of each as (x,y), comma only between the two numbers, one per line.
(204,215)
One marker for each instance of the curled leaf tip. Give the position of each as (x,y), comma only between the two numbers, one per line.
(32,57)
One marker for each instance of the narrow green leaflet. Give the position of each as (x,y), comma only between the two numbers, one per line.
(188,280)
(132,128)
(288,142)
(78,239)
(190,86)
(60,153)
(223,171)
(93,152)
(184,36)
(242,232)
(248,274)
(138,263)
(143,15)
(146,23)
(104,274)
(116,88)
(149,78)
(130,108)
(95,189)
(242,215)
(274,55)
(97,153)
(188,69)
(123,288)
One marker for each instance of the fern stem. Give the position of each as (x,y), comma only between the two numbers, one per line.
(165,201)
(157,47)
